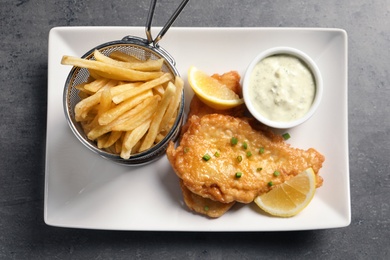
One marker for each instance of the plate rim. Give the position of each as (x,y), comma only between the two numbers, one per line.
(347,217)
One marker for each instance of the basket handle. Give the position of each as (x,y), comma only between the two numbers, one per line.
(166,26)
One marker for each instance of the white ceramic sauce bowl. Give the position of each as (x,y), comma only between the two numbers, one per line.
(310,65)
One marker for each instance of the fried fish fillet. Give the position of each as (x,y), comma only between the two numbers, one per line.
(193,201)
(211,208)
(231,80)
(257,156)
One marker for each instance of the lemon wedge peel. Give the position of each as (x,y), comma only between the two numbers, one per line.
(290,197)
(211,92)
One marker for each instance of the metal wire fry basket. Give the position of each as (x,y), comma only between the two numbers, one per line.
(143,49)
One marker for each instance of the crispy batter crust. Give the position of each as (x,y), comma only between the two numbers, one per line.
(211,208)
(215,179)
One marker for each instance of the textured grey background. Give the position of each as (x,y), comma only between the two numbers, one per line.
(23,91)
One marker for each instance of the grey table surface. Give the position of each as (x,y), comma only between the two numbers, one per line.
(24,33)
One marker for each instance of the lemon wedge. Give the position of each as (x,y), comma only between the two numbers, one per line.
(290,197)
(211,91)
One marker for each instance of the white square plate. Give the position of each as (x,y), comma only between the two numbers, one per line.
(82,190)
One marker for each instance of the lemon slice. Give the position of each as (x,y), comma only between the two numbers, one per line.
(290,197)
(211,91)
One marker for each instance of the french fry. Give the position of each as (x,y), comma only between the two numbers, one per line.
(159,137)
(125,153)
(136,110)
(102,140)
(99,131)
(82,108)
(83,93)
(105,105)
(154,126)
(145,111)
(172,108)
(96,85)
(118,110)
(132,137)
(110,71)
(93,74)
(92,113)
(137,146)
(121,56)
(127,121)
(159,90)
(105,101)
(136,135)
(145,86)
(113,137)
(149,65)
(118,144)
(120,88)
(81,87)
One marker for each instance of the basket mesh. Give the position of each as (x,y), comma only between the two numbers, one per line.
(81,75)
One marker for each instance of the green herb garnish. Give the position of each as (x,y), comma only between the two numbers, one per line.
(206,157)
(261,150)
(238,174)
(286,136)
(234,141)
(276,173)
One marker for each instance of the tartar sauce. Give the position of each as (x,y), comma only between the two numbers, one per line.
(282,88)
